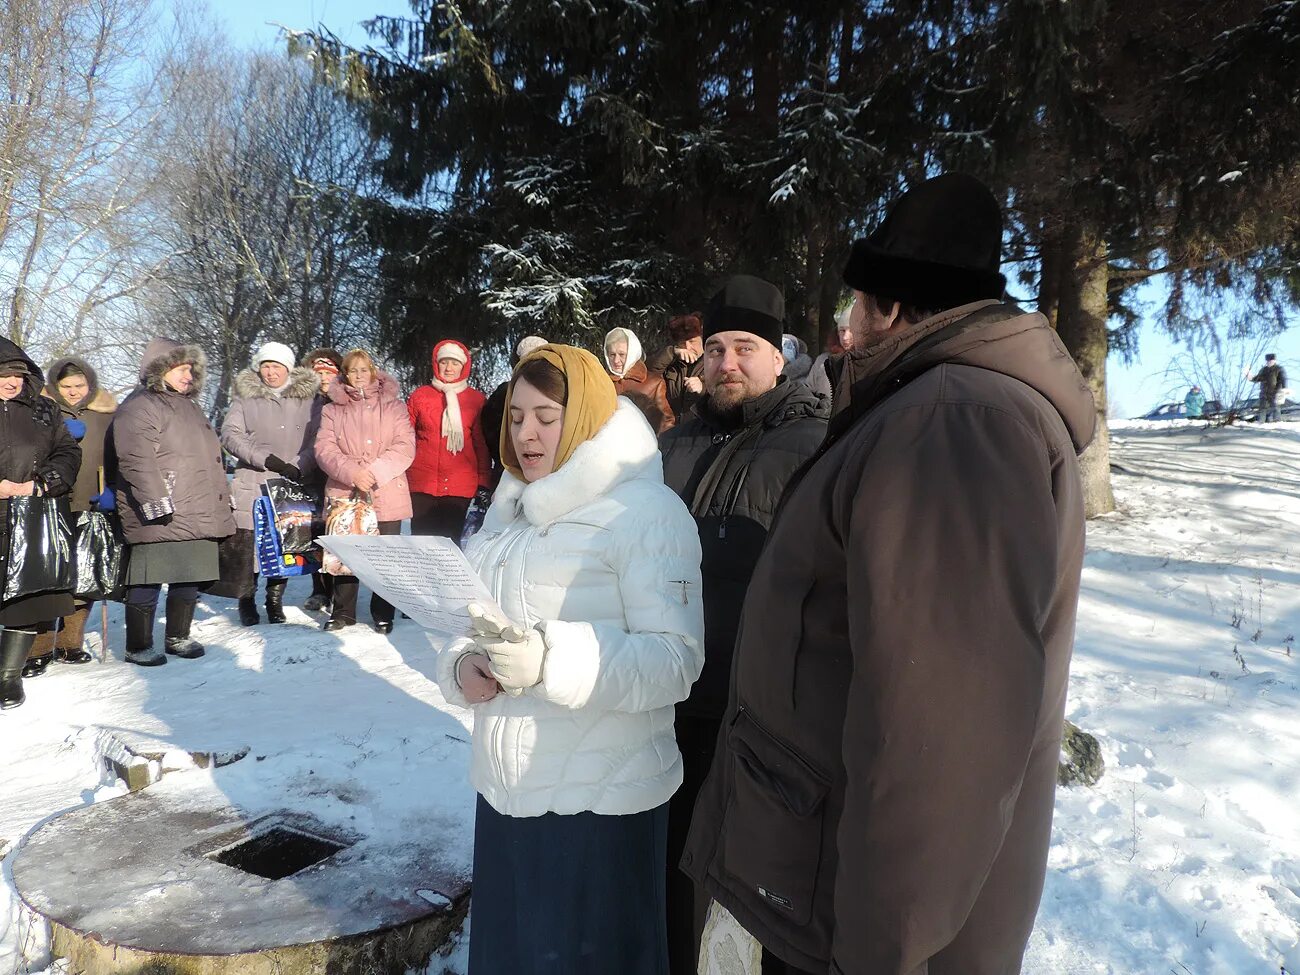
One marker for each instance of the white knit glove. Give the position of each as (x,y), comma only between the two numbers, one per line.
(516,654)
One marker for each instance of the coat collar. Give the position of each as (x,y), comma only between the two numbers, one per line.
(302,384)
(624,449)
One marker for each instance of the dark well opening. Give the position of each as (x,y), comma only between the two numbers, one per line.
(277,852)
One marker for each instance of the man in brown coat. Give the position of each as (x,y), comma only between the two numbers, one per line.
(881,800)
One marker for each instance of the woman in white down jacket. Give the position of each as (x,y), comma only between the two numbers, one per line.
(597,566)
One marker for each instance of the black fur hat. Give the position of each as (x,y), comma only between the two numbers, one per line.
(938,247)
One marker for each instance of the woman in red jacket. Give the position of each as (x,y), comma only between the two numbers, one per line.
(452,463)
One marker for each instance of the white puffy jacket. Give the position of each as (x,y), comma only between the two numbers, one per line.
(604,560)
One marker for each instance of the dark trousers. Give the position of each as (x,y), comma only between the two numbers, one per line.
(146,597)
(343,605)
(581,894)
(688,904)
(438,516)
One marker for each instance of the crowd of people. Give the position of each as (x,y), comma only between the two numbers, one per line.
(785,640)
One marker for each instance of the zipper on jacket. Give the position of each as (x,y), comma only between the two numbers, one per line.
(731,501)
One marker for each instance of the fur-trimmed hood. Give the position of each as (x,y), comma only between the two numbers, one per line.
(624,449)
(384,387)
(303,384)
(97,400)
(163,354)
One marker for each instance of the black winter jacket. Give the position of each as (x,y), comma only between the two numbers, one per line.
(733,505)
(34,446)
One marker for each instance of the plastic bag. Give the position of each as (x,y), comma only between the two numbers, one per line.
(40,547)
(295,511)
(347,516)
(99,567)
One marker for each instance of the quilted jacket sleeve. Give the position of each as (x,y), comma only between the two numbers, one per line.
(653,663)
(239,440)
(136,430)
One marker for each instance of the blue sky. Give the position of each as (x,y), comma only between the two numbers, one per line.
(1134,387)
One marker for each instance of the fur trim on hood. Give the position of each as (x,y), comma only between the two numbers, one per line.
(302,384)
(163,354)
(97,400)
(799,367)
(385,385)
(623,449)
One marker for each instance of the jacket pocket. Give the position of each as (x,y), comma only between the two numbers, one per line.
(772,837)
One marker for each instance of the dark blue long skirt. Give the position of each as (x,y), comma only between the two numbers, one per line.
(569,895)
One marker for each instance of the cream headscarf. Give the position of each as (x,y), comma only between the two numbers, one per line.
(590,402)
(634,352)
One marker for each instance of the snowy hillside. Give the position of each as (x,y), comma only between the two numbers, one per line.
(1185,858)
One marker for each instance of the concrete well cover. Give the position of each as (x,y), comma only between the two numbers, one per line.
(137,872)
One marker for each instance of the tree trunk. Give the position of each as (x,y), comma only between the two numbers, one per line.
(1081,316)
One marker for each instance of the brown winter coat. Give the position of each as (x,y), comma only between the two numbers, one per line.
(647,390)
(369,428)
(261,423)
(96,412)
(166,456)
(881,801)
(675,372)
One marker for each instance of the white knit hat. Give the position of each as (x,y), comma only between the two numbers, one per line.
(275,352)
(450,350)
(528,344)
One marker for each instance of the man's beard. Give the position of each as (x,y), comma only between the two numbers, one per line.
(726,400)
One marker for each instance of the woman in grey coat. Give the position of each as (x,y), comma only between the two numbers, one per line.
(271,430)
(173,497)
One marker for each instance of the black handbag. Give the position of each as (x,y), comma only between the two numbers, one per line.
(40,557)
(99,569)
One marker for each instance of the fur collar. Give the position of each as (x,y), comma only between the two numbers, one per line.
(165,355)
(624,449)
(101,402)
(303,384)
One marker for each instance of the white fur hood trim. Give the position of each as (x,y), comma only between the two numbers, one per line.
(624,449)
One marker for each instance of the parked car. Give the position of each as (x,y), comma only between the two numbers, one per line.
(1177,411)
(1166,411)
(1248,409)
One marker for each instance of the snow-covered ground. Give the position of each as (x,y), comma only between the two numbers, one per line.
(1185,858)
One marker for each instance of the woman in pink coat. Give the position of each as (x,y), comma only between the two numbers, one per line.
(366,444)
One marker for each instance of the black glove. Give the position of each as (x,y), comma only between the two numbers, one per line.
(482,498)
(283,468)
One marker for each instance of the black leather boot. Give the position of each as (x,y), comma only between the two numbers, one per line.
(36,666)
(248,615)
(275,600)
(180,616)
(139,636)
(14,645)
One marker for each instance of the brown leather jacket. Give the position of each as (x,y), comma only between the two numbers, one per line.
(647,390)
(881,800)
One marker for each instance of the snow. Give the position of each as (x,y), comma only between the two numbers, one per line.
(1184,858)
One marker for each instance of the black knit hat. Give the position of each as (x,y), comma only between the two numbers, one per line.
(747,304)
(938,247)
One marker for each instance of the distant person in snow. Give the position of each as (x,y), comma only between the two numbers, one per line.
(494,410)
(173,496)
(326,364)
(881,799)
(798,363)
(819,376)
(452,465)
(270,430)
(681,363)
(1271,380)
(87,410)
(1194,403)
(596,565)
(39,457)
(632,378)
